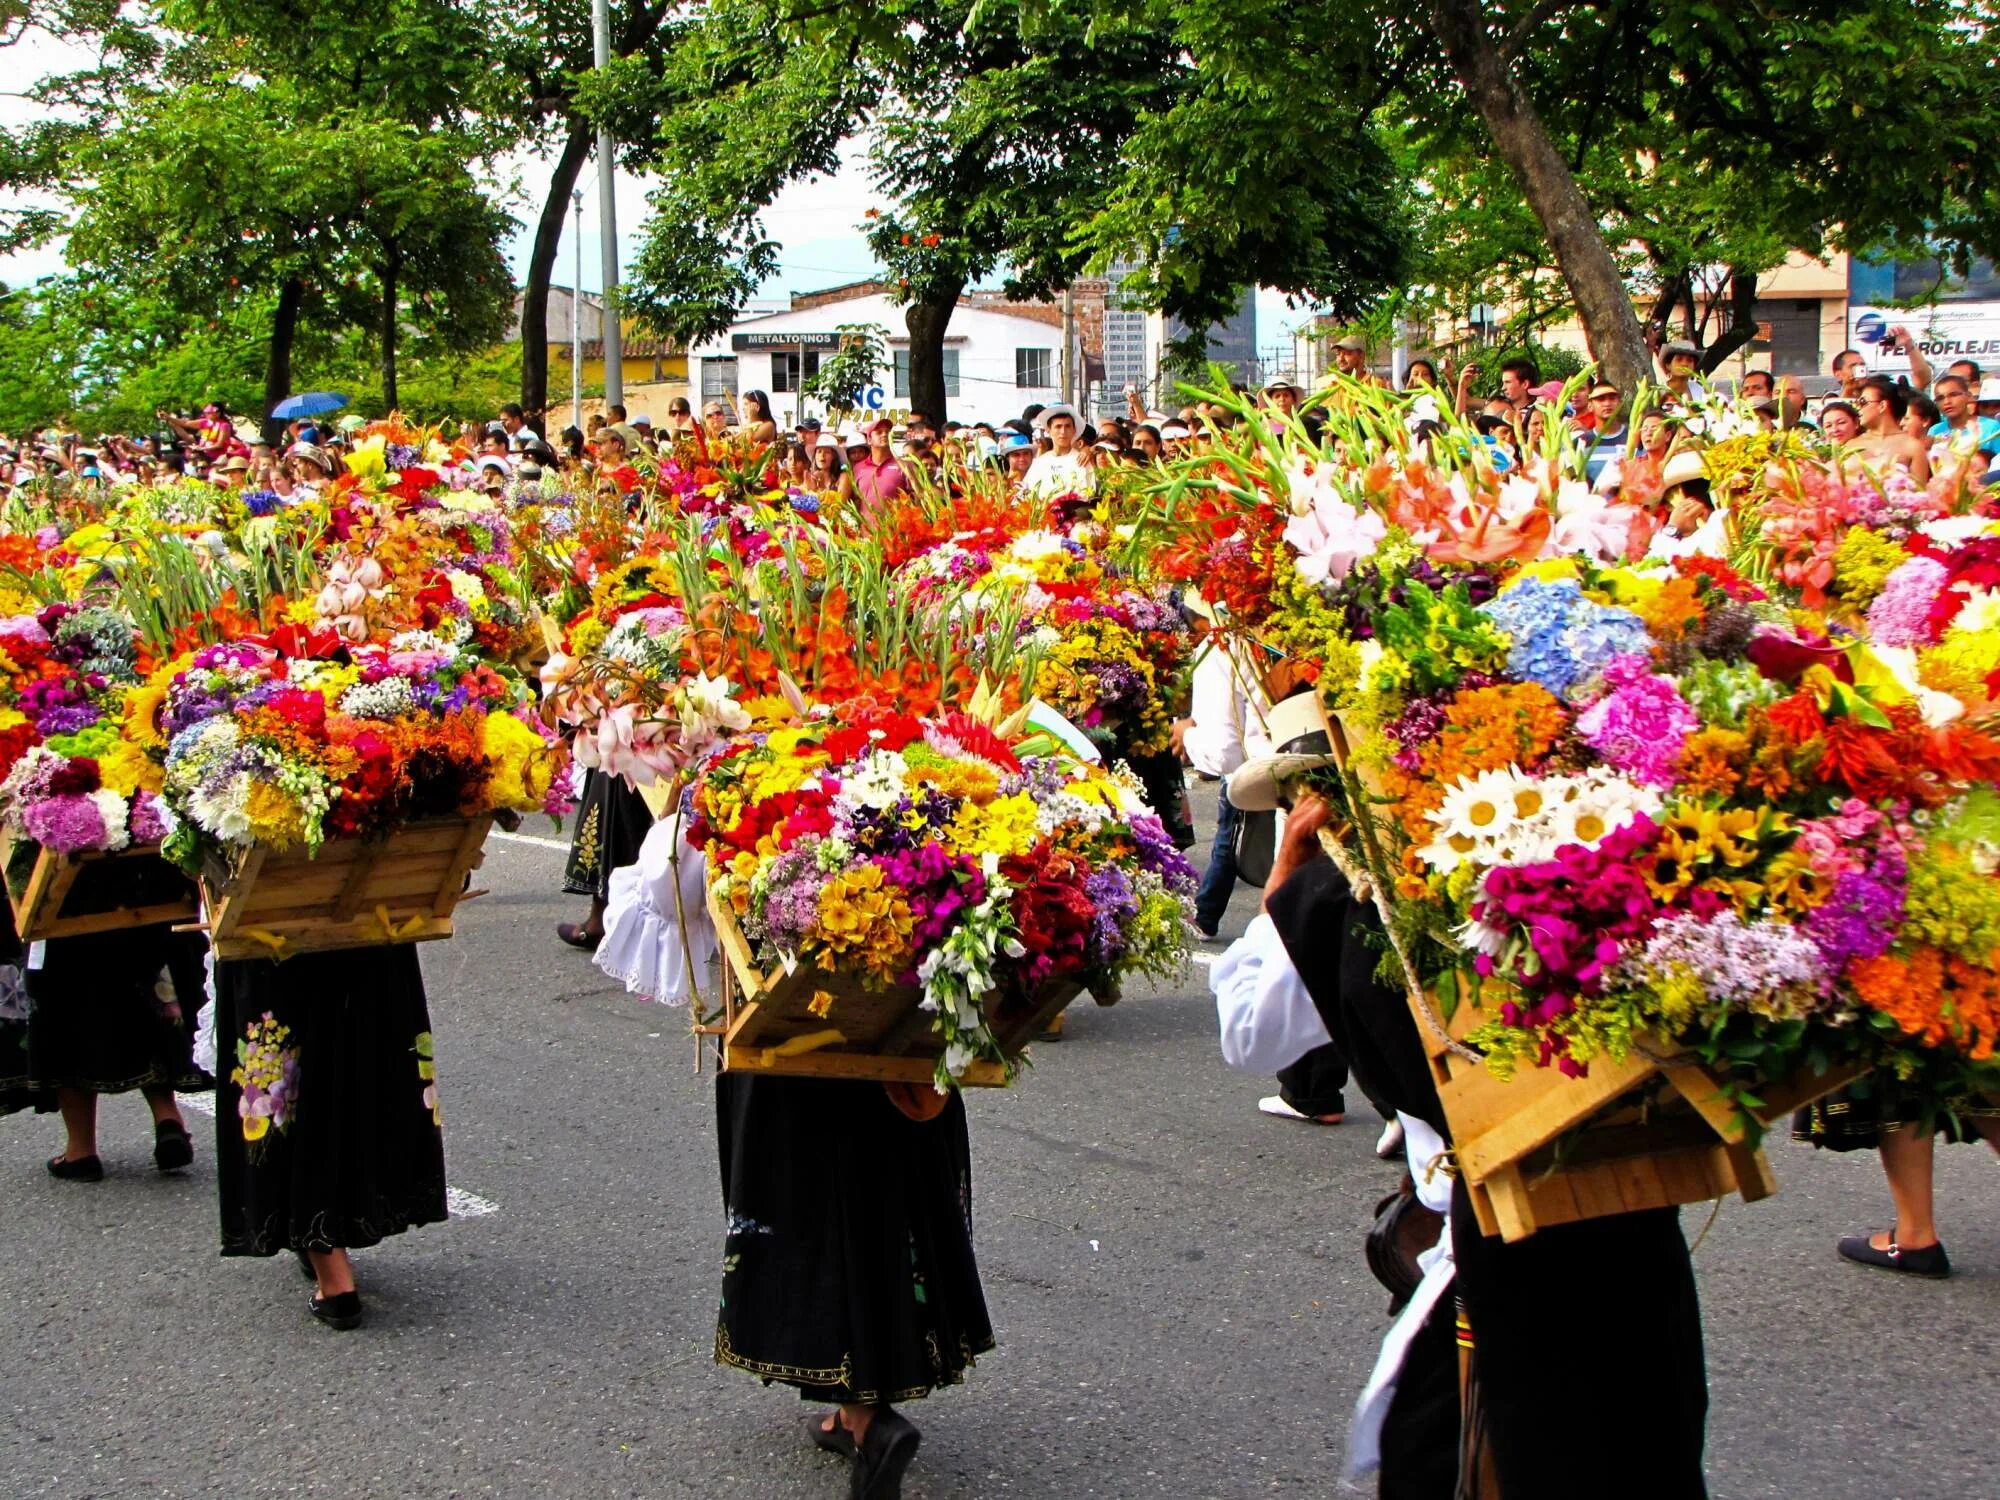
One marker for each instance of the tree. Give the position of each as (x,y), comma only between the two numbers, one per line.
(991,127)
(845,374)
(1643,139)
(211,193)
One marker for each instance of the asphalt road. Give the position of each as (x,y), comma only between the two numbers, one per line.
(1176,1281)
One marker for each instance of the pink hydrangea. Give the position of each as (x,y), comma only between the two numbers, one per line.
(1900,615)
(1640,725)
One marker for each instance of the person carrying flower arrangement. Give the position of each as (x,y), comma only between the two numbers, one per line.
(111,1013)
(1483,1392)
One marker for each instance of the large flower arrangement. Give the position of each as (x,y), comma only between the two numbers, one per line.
(74,774)
(289,741)
(932,853)
(1617,800)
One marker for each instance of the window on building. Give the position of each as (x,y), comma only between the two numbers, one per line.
(1034,369)
(902,382)
(718,378)
(790,370)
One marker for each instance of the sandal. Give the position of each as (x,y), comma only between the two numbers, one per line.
(579,936)
(1931,1262)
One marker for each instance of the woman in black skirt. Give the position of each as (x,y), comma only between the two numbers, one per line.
(104,1014)
(612,821)
(848,1269)
(328,1131)
(1879,1115)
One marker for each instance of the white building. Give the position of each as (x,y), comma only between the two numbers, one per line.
(994,363)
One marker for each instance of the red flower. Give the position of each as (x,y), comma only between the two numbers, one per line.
(1051,911)
(78,778)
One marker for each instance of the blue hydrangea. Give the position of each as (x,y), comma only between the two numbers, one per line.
(1560,639)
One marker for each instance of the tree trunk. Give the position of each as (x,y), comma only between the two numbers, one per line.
(541,267)
(278,359)
(391,290)
(1742,320)
(927,322)
(1599,292)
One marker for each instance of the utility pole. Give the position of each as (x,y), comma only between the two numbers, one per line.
(576,323)
(607,194)
(1069,345)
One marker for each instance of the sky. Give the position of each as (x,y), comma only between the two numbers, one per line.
(815,221)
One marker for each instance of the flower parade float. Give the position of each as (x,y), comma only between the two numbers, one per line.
(1666,846)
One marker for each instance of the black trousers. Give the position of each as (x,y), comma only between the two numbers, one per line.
(1312,1085)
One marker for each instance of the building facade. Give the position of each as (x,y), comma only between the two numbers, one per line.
(995,362)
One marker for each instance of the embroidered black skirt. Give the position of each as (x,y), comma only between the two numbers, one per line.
(328,1129)
(612,821)
(848,1269)
(107,1014)
(1854,1118)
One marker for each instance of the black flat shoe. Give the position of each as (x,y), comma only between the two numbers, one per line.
(342,1312)
(577,936)
(83,1169)
(885,1452)
(839,1441)
(1931,1262)
(306,1265)
(173,1147)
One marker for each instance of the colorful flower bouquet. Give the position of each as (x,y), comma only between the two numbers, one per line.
(928,885)
(290,740)
(1645,824)
(75,780)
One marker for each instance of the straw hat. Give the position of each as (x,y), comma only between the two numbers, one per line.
(1298,728)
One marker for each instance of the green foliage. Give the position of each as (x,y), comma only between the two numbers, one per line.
(852,368)
(1555,364)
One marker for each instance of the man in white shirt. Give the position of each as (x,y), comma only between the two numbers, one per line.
(1066,468)
(1224,727)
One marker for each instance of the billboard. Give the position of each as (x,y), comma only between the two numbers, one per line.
(1955,317)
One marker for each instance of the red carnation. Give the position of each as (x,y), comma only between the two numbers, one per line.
(79,778)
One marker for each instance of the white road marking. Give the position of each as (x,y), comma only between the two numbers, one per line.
(1204,959)
(529,838)
(463,1205)
(457,1201)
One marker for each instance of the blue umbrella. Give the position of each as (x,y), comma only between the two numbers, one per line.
(311,404)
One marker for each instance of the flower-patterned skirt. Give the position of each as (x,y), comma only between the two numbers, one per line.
(848,1269)
(328,1129)
(612,821)
(107,1014)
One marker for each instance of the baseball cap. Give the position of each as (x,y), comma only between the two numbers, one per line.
(1353,344)
(1173,432)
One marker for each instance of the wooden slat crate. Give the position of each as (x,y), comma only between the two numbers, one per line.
(814,1024)
(1543,1148)
(74,895)
(356,893)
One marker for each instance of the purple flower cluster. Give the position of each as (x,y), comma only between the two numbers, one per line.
(261,502)
(1862,915)
(791,902)
(57,707)
(66,824)
(148,824)
(1768,967)
(402,456)
(1158,856)
(189,705)
(1111,894)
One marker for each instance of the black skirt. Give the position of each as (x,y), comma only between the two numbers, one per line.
(1854,1118)
(848,1269)
(328,1132)
(106,1014)
(612,821)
